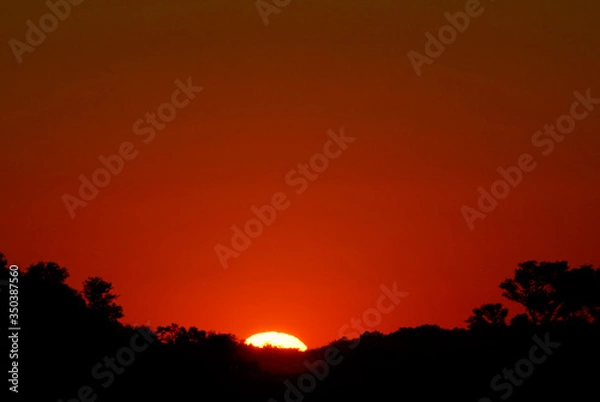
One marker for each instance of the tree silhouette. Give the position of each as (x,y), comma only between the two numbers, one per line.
(520,320)
(580,292)
(171,334)
(49,272)
(488,315)
(71,335)
(4,273)
(194,335)
(100,299)
(552,292)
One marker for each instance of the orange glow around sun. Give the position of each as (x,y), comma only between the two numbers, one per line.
(277,340)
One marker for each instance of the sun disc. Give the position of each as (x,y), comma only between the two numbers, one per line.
(277,340)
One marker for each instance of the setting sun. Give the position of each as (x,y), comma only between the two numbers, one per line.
(277,340)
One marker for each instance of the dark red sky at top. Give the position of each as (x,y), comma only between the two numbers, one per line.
(388,209)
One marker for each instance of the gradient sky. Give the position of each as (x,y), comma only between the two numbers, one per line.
(387,210)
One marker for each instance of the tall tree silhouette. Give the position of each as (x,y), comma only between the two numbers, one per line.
(488,315)
(49,272)
(171,334)
(551,291)
(100,299)
(580,291)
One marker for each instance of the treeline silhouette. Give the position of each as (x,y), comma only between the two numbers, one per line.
(72,347)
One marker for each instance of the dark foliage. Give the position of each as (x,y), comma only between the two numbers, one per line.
(70,339)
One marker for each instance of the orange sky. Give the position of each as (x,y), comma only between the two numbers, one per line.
(387,210)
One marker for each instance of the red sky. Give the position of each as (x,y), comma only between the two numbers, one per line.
(387,210)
